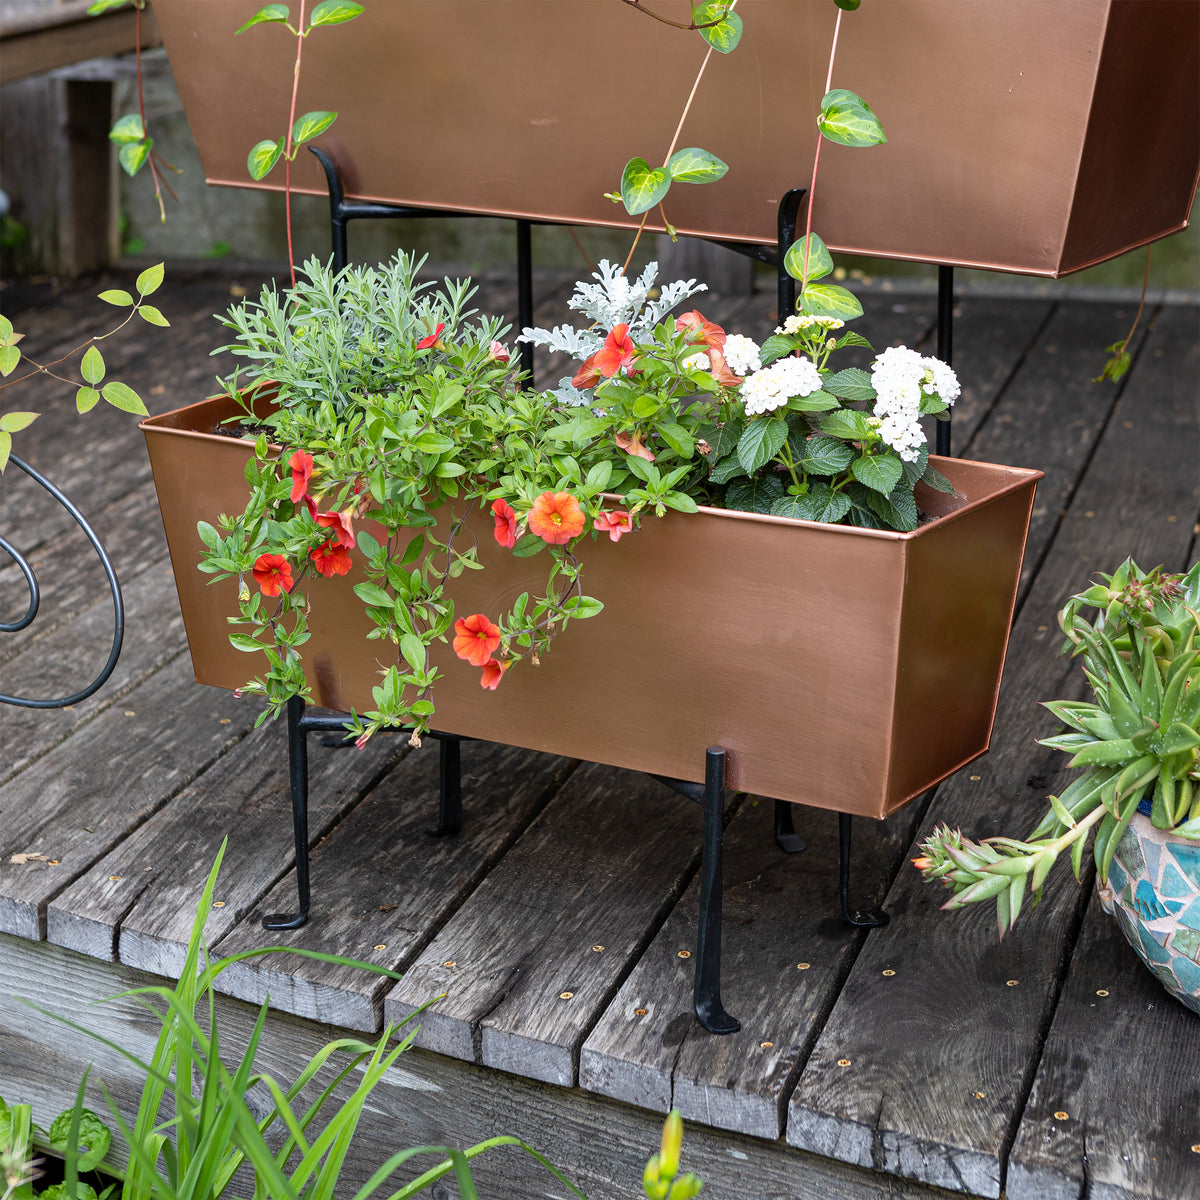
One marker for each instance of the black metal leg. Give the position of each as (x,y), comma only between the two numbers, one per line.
(786,836)
(450,789)
(868,920)
(298,773)
(789,211)
(525,291)
(709,1009)
(945,344)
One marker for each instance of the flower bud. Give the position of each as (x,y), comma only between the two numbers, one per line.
(672,1144)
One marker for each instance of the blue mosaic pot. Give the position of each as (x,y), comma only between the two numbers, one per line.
(1154,892)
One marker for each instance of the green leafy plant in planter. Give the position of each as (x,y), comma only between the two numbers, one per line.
(1137,740)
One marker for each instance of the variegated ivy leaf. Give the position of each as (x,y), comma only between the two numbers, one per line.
(334,12)
(271,13)
(829,300)
(641,187)
(726,33)
(694,165)
(819,261)
(133,157)
(127,130)
(263,157)
(92,366)
(99,6)
(5,449)
(311,125)
(150,280)
(848,120)
(122,396)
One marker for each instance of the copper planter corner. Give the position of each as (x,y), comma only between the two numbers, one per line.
(844,668)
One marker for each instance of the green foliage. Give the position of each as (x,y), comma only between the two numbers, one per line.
(1138,741)
(661,1179)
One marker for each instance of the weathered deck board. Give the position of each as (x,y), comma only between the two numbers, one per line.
(384,884)
(532,957)
(939,1054)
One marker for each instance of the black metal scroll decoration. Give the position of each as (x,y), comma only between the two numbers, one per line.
(35,598)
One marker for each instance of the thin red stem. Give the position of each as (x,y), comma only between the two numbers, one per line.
(287,176)
(812,187)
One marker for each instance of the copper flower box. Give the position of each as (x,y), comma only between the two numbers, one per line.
(844,668)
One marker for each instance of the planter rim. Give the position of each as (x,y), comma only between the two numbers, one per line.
(1016,478)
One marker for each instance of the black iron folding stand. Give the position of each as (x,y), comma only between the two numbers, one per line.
(711,794)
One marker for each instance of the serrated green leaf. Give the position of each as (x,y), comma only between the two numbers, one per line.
(92,1137)
(150,280)
(829,300)
(334,12)
(133,158)
(850,338)
(846,423)
(14,422)
(878,472)
(263,157)
(819,503)
(756,495)
(726,469)
(761,442)
(694,165)
(127,130)
(826,455)
(311,125)
(848,120)
(642,187)
(91,366)
(122,396)
(778,345)
(725,35)
(116,297)
(814,402)
(852,385)
(820,262)
(933,478)
(271,13)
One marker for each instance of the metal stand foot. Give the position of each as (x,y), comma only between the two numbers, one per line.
(786,837)
(298,774)
(450,787)
(869,920)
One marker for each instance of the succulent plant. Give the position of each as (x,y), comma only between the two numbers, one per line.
(1138,742)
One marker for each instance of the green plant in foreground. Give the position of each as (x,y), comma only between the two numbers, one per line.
(1139,743)
(194,1128)
(661,1179)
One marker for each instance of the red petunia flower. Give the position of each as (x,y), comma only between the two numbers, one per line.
(556,518)
(617,353)
(493,672)
(615,524)
(273,574)
(341,523)
(432,339)
(497,352)
(506,523)
(331,559)
(700,331)
(476,639)
(302,470)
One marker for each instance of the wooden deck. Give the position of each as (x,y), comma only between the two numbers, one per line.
(917,1060)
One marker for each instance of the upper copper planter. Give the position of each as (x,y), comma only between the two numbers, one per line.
(844,668)
(1023,135)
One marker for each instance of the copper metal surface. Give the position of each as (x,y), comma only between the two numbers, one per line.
(1023,135)
(844,668)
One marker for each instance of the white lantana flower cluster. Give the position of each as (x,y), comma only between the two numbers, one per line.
(774,386)
(798,323)
(900,378)
(741,354)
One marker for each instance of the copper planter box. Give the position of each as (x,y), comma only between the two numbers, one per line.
(844,668)
(1023,135)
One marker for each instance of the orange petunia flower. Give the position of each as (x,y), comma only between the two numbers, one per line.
(476,639)
(341,523)
(617,352)
(331,559)
(556,518)
(721,371)
(615,524)
(632,443)
(506,523)
(493,672)
(273,574)
(301,464)
(700,331)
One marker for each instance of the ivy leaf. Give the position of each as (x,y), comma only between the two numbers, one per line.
(693,165)
(150,280)
(334,12)
(820,263)
(754,495)
(848,120)
(277,13)
(127,130)
(761,442)
(122,396)
(725,35)
(819,503)
(263,157)
(91,366)
(311,125)
(879,472)
(641,187)
(852,385)
(5,449)
(829,300)
(133,158)
(149,313)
